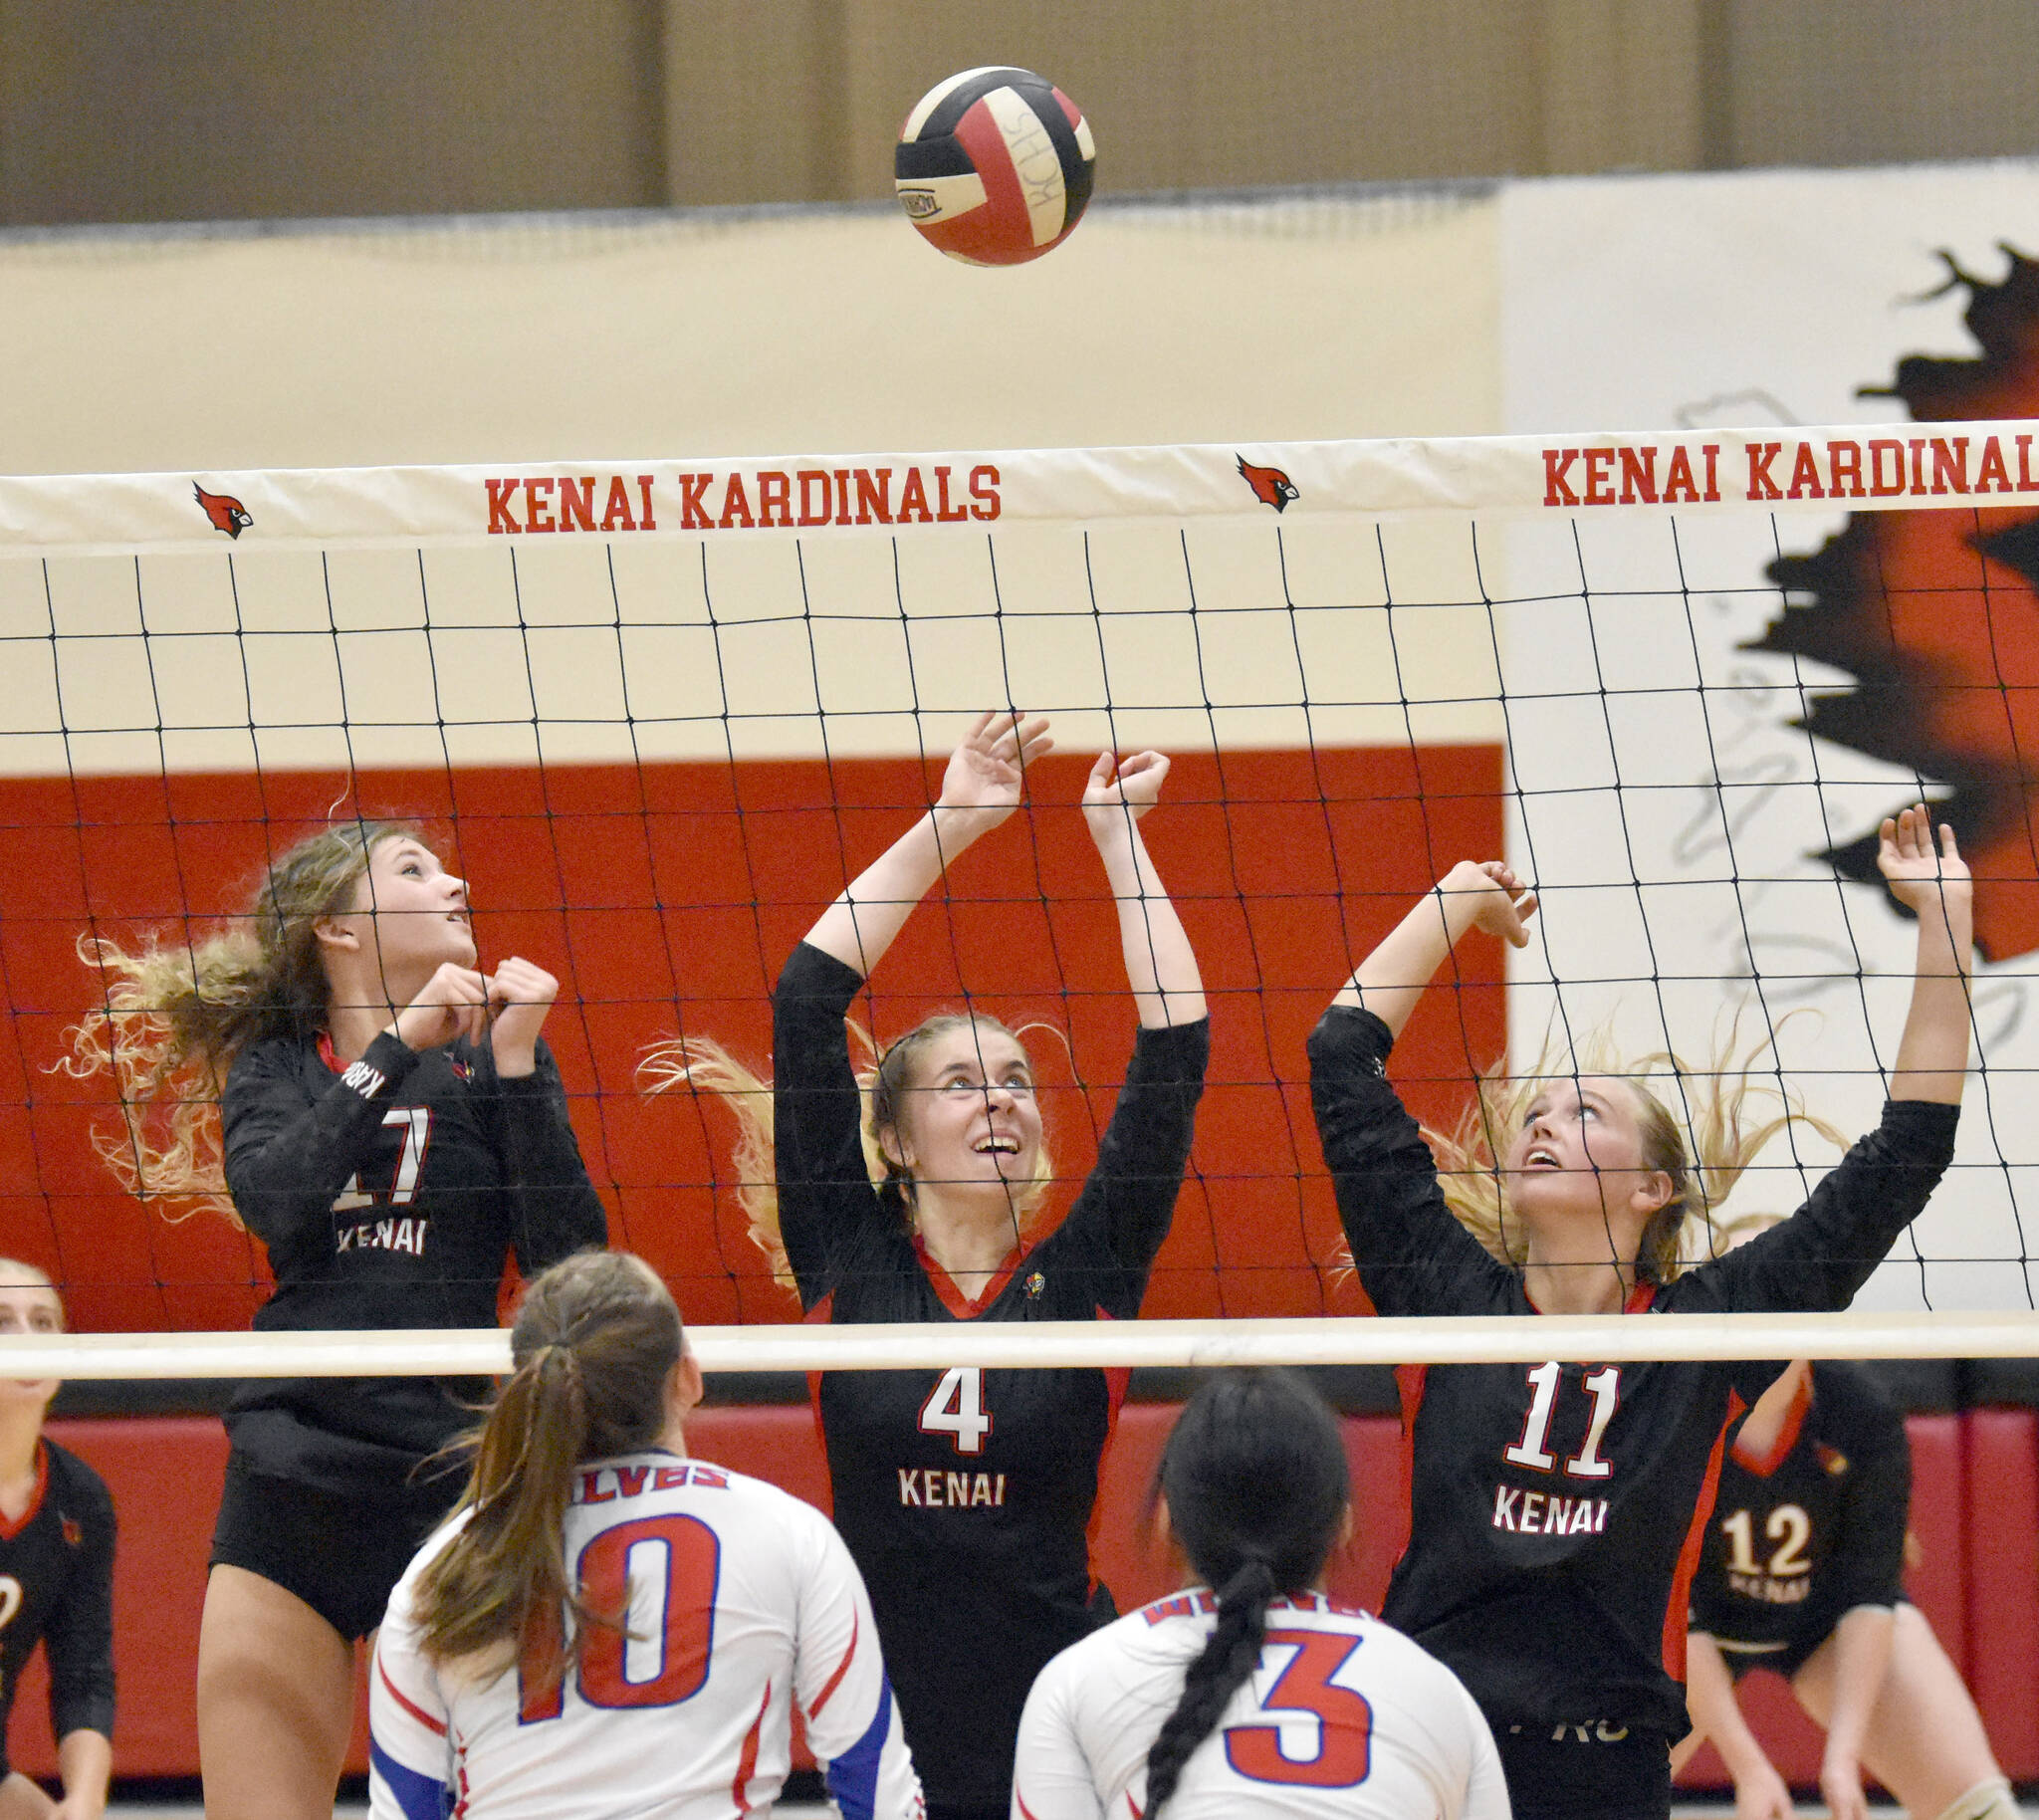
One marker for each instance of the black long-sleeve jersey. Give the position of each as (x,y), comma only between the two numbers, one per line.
(1559,1510)
(389,1193)
(968,1496)
(1808,1532)
(57,1589)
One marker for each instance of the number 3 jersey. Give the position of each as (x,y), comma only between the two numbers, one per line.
(1806,1532)
(1558,1508)
(741,1601)
(1343,1719)
(967,1496)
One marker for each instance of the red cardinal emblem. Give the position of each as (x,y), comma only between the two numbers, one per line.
(1935,615)
(1271,486)
(74,1532)
(226,512)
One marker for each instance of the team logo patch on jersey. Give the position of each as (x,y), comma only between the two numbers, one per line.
(1832,1460)
(1034,1285)
(73,1531)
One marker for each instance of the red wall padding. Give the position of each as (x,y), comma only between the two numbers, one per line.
(2002,1481)
(666,896)
(1975,1513)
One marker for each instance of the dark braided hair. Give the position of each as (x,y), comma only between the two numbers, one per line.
(1257,1487)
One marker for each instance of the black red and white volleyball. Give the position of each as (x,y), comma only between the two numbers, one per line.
(993,166)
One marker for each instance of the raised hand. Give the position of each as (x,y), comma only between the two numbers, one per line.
(1491,897)
(1119,789)
(987,772)
(1922,877)
(520,994)
(454,1002)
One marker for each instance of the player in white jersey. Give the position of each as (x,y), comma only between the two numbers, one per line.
(1263,1697)
(654,1678)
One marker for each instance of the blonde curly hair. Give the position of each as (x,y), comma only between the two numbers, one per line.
(176,1014)
(1705,1148)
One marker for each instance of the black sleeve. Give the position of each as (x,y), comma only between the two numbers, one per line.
(1130,1194)
(79,1637)
(1866,1565)
(555,1211)
(1825,1251)
(826,1197)
(1411,1255)
(285,1160)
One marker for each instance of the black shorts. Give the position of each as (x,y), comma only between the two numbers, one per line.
(1585,1773)
(341,1553)
(1787,1660)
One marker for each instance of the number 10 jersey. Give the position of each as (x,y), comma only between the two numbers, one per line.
(740,1600)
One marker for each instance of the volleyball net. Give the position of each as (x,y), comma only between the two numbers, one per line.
(657,712)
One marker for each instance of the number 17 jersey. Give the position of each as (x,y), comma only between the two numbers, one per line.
(740,1600)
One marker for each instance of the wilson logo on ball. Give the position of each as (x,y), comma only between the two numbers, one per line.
(993,166)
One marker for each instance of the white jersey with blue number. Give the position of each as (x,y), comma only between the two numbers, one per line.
(742,1600)
(1344,1718)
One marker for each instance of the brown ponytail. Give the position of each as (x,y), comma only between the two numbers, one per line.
(595,1344)
(177,1013)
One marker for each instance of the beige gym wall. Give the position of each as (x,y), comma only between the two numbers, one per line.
(527,339)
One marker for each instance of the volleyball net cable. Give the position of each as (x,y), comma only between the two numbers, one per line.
(658,712)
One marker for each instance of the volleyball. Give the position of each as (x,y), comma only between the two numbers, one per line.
(993,166)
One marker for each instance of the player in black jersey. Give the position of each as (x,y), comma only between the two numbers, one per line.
(393,1130)
(56,1575)
(1557,1510)
(1803,1574)
(965,1496)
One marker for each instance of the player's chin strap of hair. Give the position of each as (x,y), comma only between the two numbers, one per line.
(1989,1800)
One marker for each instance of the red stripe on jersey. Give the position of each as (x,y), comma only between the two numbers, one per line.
(1116,1378)
(8,1531)
(1764,1463)
(964,1308)
(747,1762)
(841,1668)
(1679,1606)
(1410,1383)
(1020,1802)
(329,1056)
(408,1704)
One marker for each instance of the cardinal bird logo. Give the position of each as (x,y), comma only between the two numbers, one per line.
(1936,617)
(74,1532)
(1271,486)
(224,510)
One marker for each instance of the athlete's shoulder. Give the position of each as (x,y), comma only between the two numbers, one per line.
(71,1476)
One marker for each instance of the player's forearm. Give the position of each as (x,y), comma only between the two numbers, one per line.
(1932,1054)
(859,926)
(1862,1661)
(85,1762)
(1716,1713)
(1390,979)
(1161,966)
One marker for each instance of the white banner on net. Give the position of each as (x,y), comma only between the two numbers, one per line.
(1586,602)
(1873,467)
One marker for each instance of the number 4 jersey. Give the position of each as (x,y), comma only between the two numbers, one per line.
(742,1600)
(1342,1718)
